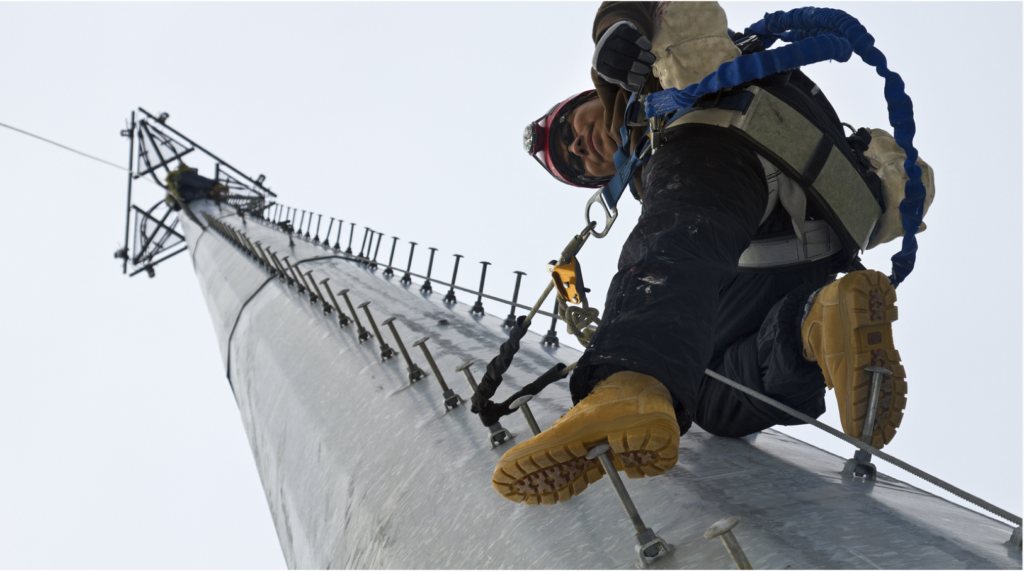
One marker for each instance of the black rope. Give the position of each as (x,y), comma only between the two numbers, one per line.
(498,365)
(490,412)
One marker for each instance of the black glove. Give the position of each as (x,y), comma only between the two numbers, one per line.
(623,56)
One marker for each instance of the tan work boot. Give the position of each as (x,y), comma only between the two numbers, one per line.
(848,328)
(630,411)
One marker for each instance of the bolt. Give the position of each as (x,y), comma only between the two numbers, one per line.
(426,288)
(350,232)
(308,224)
(510,321)
(478,307)
(450,296)
(415,372)
(362,333)
(386,352)
(337,238)
(407,279)
(316,240)
(723,528)
(451,400)
(301,221)
(388,272)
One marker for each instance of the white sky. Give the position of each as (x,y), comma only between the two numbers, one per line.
(121,443)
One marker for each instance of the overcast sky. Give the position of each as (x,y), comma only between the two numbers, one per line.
(121,442)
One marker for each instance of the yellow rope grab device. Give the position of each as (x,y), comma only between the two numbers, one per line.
(567,280)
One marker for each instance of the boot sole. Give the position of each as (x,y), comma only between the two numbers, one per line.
(552,472)
(867,308)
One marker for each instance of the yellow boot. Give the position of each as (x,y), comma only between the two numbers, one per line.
(848,328)
(630,411)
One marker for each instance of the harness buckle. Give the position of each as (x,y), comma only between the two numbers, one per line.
(655,125)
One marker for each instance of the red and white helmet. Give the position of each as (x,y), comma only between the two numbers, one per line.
(539,139)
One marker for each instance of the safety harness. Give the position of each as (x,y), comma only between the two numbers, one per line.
(804,152)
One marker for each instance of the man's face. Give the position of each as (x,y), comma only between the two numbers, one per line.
(585,143)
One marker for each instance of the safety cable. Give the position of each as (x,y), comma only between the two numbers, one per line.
(488,410)
(869,449)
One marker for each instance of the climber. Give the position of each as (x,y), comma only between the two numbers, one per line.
(185,184)
(699,285)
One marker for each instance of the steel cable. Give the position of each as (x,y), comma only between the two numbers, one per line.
(870,449)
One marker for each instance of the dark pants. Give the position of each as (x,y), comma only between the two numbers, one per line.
(679,304)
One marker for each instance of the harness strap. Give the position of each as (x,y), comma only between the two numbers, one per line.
(819,242)
(751,67)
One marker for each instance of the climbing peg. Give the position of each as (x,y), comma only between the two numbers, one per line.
(478,307)
(860,465)
(299,282)
(343,319)
(284,273)
(323,301)
(388,272)
(407,278)
(327,235)
(723,529)
(415,372)
(426,288)
(386,352)
(366,232)
(520,403)
(373,264)
(649,546)
(551,338)
(498,434)
(510,321)
(451,400)
(361,331)
(450,296)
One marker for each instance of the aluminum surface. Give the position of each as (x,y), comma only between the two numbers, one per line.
(363,469)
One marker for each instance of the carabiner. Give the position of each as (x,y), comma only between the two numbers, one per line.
(609,214)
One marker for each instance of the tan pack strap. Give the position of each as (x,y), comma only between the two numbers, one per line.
(791,141)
